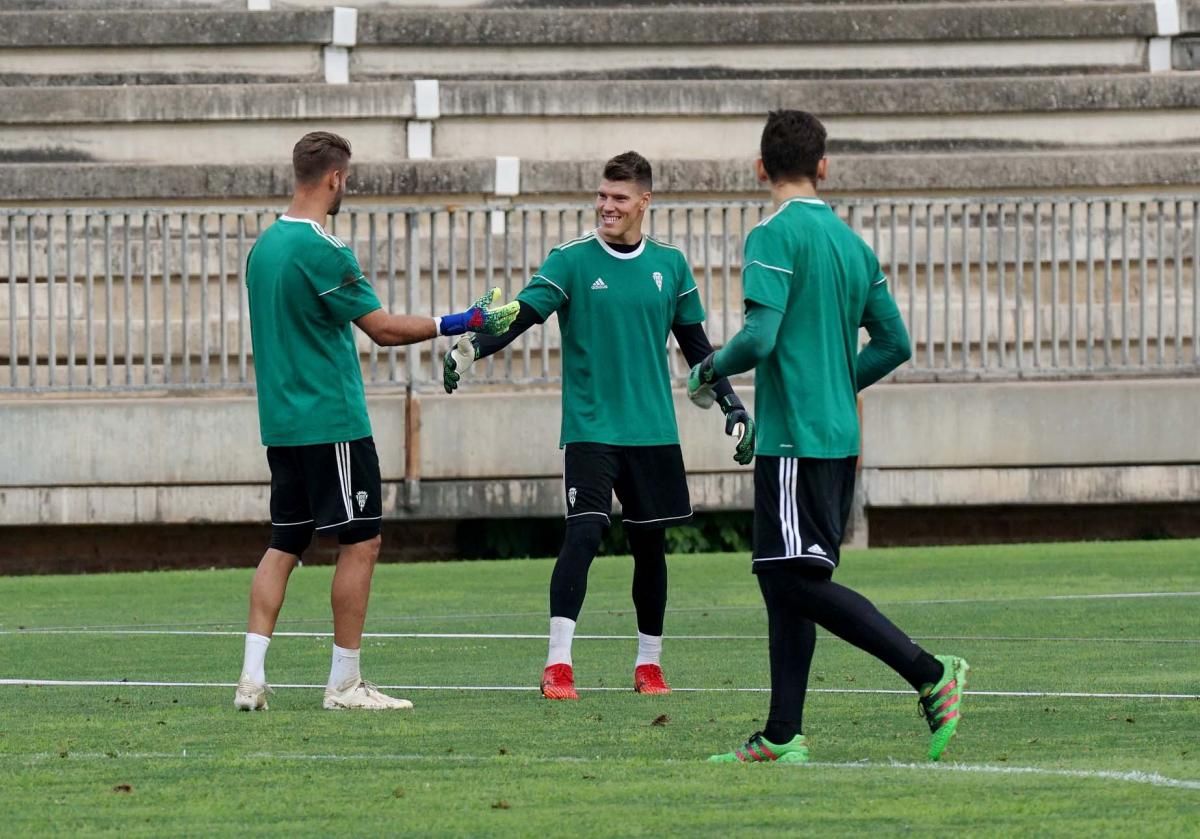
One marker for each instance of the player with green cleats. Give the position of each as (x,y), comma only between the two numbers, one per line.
(941,703)
(758,749)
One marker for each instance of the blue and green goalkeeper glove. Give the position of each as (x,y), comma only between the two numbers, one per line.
(481,317)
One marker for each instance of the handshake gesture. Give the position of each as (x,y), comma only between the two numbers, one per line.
(481,317)
(737,420)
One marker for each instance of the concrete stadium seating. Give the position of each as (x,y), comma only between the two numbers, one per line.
(156,100)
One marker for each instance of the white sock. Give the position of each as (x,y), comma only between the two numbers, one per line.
(345,667)
(562,632)
(254,662)
(649,649)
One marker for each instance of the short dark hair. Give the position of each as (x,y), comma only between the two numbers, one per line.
(317,153)
(793,143)
(630,166)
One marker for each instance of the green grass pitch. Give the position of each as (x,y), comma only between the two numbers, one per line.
(1042,749)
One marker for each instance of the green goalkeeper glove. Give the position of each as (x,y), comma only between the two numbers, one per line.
(481,317)
(700,382)
(458,361)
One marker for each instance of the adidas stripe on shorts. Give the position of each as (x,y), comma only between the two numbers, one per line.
(801,507)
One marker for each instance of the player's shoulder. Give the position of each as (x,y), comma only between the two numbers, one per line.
(318,243)
(575,248)
(666,250)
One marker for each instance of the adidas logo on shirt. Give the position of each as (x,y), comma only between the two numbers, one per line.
(816,549)
(598,284)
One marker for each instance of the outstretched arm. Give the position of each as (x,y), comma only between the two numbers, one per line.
(696,349)
(746,349)
(469,348)
(389,330)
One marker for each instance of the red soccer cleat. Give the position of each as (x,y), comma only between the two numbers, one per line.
(648,678)
(558,682)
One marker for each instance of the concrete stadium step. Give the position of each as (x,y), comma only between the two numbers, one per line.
(997,172)
(895,37)
(580,119)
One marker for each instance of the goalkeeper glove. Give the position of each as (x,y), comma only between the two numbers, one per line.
(458,361)
(481,317)
(739,423)
(700,382)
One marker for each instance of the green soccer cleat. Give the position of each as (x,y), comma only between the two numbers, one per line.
(759,749)
(941,703)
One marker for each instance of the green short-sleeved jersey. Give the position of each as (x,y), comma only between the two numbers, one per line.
(806,263)
(615,311)
(305,288)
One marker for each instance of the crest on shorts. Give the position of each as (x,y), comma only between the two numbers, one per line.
(571,496)
(658,280)
(361,498)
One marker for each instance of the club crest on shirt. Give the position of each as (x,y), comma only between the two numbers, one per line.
(658,280)
(571,496)
(361,498)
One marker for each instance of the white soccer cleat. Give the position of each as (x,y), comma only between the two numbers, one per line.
(362,695)
(250,695)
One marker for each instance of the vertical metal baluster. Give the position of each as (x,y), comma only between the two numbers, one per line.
(948,281)
(88,300)
(526,345)
(1143,273)
(1158,275)
(127,292)
(1073,251)
(393,371)
(1054,292)
(413,277)
(243,372)
(69,278)
(185,293)
(1037,284)
(1196,282)
(435,360)
(489,268)
(373,273)
(506,270)
(929,275)
(983,285)
(1124,284)
(147,278)
(1091,284)
(51,320)
(1107,284)
(13,353)
(738,305)
(108,303)
(725,275)
(708,272)
(1000,302)
(222,317)
(912,280)
(1019,285)
(204,348)
(1177,265)
(966,286)
(543,331)
(165,237)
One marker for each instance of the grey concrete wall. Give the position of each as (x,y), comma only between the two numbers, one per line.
(147,460)
(162,27)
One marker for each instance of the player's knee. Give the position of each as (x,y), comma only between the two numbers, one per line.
(583,539)
(291,540)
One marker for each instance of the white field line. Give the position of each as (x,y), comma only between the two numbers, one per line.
(1132,777)
(518,636)
(1134,595)
(530,688)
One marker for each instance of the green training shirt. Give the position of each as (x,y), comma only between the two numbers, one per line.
(305,288)
(615,311)
(806,263)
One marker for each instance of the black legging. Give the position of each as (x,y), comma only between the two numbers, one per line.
(797,600)
(568,582)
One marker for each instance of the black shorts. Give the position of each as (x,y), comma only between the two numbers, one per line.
(327,488)
(649,481)
(801,506)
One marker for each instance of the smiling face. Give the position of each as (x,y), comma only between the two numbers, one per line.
(620,208)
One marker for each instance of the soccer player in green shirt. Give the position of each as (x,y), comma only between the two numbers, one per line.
(618,294)
(305,288)
(810,283)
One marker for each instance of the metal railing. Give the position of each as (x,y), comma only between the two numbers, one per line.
(155,299)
